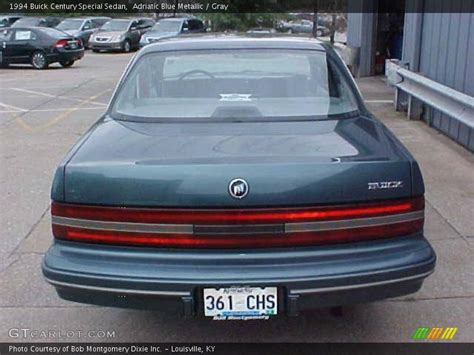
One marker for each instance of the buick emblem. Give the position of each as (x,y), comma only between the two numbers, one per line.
(238,188)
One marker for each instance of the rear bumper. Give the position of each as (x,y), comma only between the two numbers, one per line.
(66,55)
(307,277)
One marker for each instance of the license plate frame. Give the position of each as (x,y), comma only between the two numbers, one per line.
(234,303)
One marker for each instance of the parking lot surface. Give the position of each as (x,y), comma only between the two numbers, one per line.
(42,113)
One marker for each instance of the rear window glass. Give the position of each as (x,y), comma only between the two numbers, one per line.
(167,26)
(116,25)
(234,85)
(28,21)
(70,24)
(52,32)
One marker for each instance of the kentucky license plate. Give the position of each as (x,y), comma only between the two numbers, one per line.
(240,303)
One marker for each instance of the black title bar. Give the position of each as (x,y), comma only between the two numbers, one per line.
(233,6)
(237,348)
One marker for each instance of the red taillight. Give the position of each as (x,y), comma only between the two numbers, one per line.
(236,241)
(61,43)
(79,42)
(235,216)
(239,228)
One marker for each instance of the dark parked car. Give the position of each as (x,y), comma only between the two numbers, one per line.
(237,178)
(120,34)
(39,46)
(7,21)
(30,21)
(82,28)
(303,26)
(170,27)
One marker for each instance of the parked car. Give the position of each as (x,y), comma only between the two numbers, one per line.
(303,26)
(170,27)
(120,34)
(7,21)
(39,46)
(237,178)
(31,21)
(82,27)
(260,31)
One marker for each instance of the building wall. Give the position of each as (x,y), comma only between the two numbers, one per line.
(360,37)
(441,47)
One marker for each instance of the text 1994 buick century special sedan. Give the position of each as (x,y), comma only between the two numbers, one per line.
(237,178)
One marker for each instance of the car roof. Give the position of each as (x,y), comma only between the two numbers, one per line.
(25,28)
(76,18)
(41,17)
(131,18)
(177,19)
(37,28)
(86,18)
(233,41)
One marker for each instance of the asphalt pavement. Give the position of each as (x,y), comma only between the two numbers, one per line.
(42,113)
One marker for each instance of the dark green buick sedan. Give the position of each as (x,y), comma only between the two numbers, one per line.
(237,178)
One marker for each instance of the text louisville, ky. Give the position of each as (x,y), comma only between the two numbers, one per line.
(111,349)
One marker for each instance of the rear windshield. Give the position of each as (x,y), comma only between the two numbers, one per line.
(52,32)
(167,26)
(27,21)
(116,25)
(67,25)
(232,85)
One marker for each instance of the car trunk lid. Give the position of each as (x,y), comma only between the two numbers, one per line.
(191,165)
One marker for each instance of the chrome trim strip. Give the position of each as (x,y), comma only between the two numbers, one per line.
(118,290)
(229,229)
(352,223)
(352,287)
(123,226)
(293,292)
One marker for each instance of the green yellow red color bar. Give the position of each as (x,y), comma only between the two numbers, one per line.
(435,333)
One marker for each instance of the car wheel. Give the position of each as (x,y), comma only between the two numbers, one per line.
(126,46)
(319,33)
(66,63)
(39,60)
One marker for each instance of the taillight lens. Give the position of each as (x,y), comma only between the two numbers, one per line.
(61,43)
(237,228)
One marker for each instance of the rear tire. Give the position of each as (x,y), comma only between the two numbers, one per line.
(39,60)
(126,47)
(66,63)
(319,33)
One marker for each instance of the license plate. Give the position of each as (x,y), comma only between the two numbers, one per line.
(240,303)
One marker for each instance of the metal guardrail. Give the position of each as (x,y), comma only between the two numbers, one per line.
(420,90)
